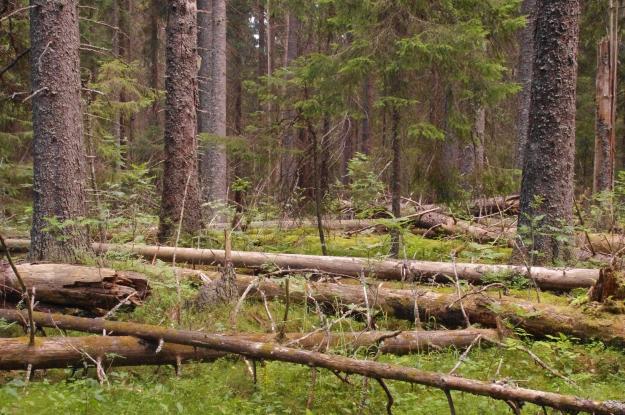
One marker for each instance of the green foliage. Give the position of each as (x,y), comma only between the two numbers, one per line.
(365,188)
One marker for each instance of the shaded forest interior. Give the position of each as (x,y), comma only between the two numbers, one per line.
(312,206)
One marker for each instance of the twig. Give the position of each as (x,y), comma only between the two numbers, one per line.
(26,296)
(389,396)
(45,88)
(6,16)
(14,61)
(233,318)
(465,354)
(458,291)
(286,310)
(581,222)
(266,305)
(450,402)
(178,289)
(311,392)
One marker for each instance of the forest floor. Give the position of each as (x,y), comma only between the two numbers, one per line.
(226,386)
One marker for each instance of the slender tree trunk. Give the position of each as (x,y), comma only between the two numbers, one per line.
(262,39)
(180,177)
(288,168)
(318,190)
(395,179)
(365,123)
(605,137)
(547,185)
(524,78)
(213,105)
(472,154)
(155,59)
(59,161)
(115,49)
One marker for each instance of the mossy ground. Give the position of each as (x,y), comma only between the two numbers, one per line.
(226,387)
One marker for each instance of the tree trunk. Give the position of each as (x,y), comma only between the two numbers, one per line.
(395,180)
(365,123)
(180,201)
(213,101)
(59,163)
(88,288)
(262,39)
(524,78)
(288,164)
(64,352)
(366,368)
(547,185)
(605,133)
(472,159)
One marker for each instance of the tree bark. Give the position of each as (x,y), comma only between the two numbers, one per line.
(605,133)
(365,123)
(547,185)
(395,180)
(89,288)
(59,162)
(212,26)
(288,165)
(366,368)
(472,159)
(524,78)
(180,201)
(63,352)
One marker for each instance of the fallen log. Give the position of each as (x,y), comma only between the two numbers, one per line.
(549,278)
(398,343)
(88,288)
(538,319)
(368,368)
(438,223)
(63,352)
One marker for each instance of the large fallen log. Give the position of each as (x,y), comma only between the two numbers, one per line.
(550,278)
(437,223)
(62,352)
(367,368)
(538,319)
(88,288)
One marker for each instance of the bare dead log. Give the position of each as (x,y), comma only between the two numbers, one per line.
(62,352)
(548,278)
(89,288)
(398,343)
(367,368)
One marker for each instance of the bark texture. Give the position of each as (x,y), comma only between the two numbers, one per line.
(63,352)
(366,368)
(547,185)
(59,161)
(213,93)
(288,161)
(605,134)
(524,78)
(88,288)
(180,175)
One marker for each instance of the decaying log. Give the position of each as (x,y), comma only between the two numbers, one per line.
(368,368)
(611,285)
(538,319)
(549,278)
(63,352)
(508,205)
(89,288)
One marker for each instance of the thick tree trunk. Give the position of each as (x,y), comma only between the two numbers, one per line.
(366,368)
(547,185)
(213,101)
(89,288)
(605,133)
(63,352)
(524,78)
(181,198)
(59,161)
